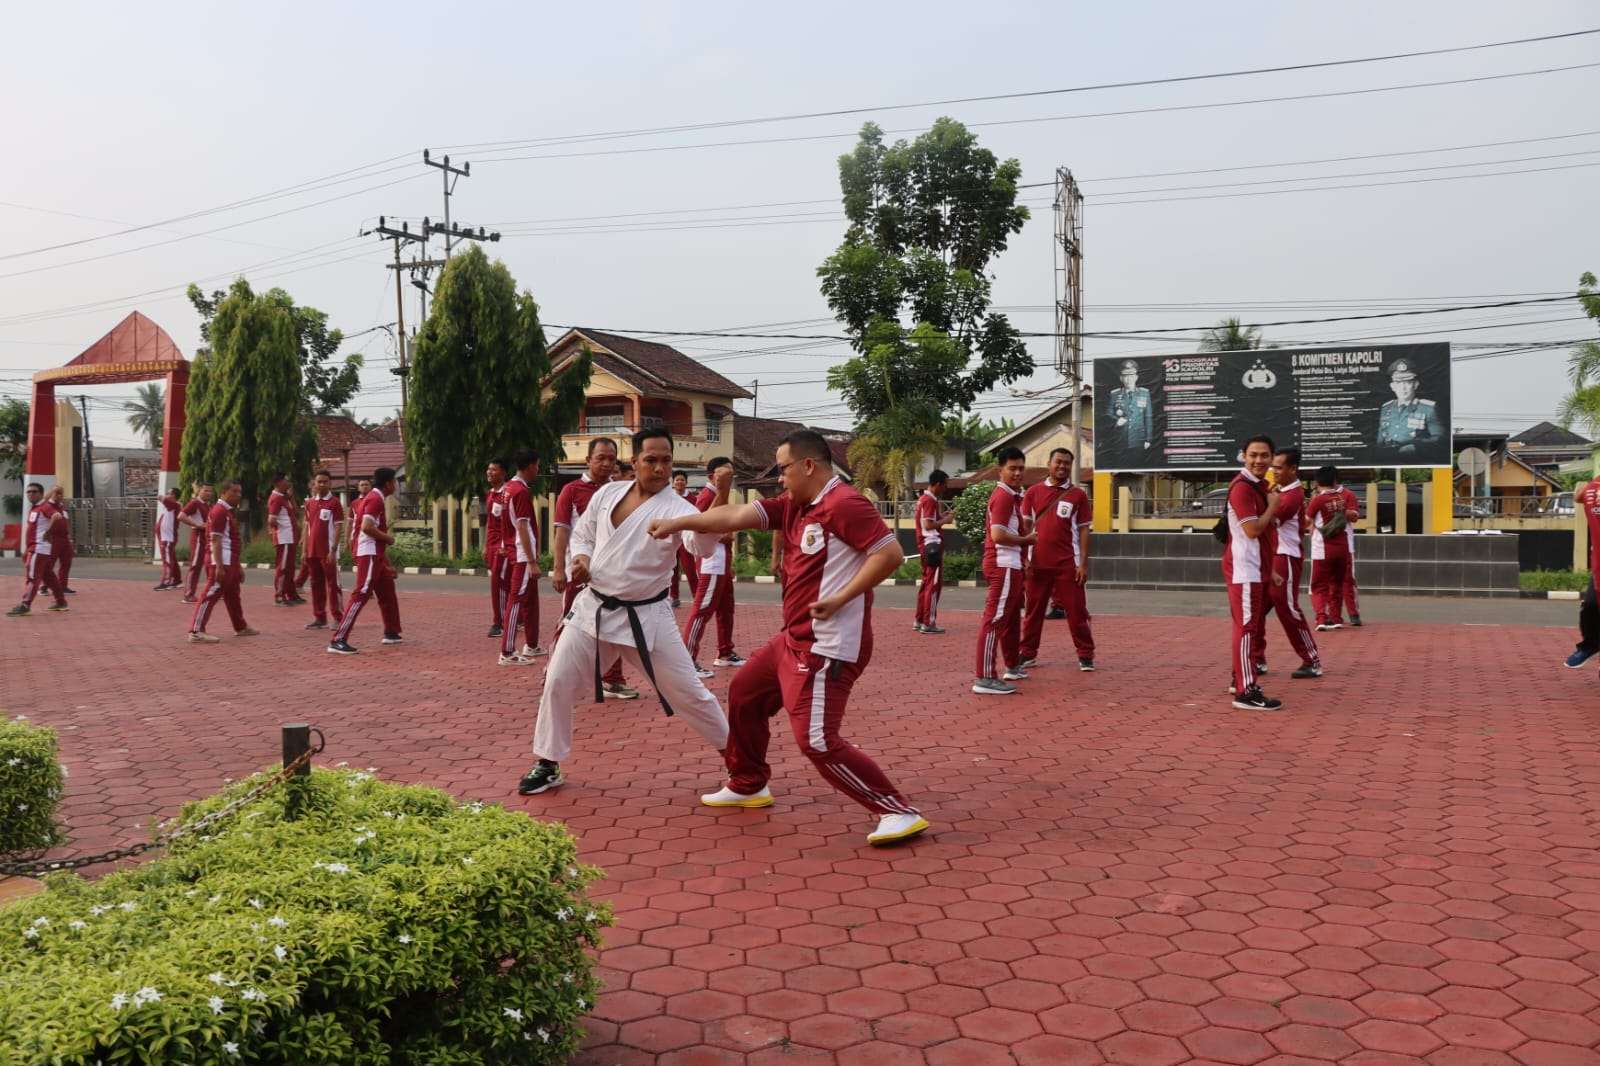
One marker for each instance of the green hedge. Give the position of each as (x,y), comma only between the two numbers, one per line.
(1555,580)
(30,787)
(387,924)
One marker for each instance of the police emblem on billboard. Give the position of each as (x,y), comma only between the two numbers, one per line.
(1259,377)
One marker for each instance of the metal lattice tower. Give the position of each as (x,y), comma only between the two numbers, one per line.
(1068,253)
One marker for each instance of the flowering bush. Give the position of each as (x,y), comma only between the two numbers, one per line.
(386,924)
(30,787)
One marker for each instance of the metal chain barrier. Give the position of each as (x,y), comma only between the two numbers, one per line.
(165,836)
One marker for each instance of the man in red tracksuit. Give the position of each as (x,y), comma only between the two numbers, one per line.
(195,514)
(1000,631)
(930,517)
(1058,568)
(324,517)
(1588,502)
(495,558)
(283,518)
(38,553)
(522,566)
(61,539)
(713,594)
(227,573)
(1332,536)
(1250,515)
(571,502)
(374,575)
(1283,584)
(685,565)
(166,534)
(1352,596)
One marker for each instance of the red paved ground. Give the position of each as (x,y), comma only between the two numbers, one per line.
(1400,868)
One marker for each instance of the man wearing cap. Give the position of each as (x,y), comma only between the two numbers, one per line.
(1131,412)
(1407,420)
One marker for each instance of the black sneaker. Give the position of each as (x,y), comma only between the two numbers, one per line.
(1086,665)
(70,592)
(1578,657)
(1055,614)
(392,638)
(933,630)
(1261,668)
(19,611)
(495,631)
(341,647)
(544,776)
(1307,670)
(317,624)
(1355,620)
(1256,700)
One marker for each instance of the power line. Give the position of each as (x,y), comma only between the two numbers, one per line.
(1165,80)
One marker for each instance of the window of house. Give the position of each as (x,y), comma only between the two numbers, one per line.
(714,430)
(605,418)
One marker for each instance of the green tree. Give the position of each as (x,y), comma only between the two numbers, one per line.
(1231,335)
(926,218)
(244,409)
(1581,406)
(973,432)
(147,412)
(327,384)
(889,447)
(482,349)
(13,449)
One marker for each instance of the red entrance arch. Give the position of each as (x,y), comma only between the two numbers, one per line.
(136,349)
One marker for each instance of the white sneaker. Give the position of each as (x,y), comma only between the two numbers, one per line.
(702,672)
(202,638)
(727,797)
(619,691)
(515,660)
(1015,674)
(531,653)
(893,827)
(732,660)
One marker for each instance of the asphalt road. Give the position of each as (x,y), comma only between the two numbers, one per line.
(1376,609)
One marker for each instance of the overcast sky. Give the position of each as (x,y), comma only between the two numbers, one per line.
(134,114)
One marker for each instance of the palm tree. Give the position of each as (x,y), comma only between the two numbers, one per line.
(1582,404)
(147,412)
(1230,335)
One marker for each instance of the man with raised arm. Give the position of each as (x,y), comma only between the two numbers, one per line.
(571,503)
(624,576)
(374,575)
(838,550)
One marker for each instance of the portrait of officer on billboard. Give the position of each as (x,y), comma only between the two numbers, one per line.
(1132,414)
(1408,422)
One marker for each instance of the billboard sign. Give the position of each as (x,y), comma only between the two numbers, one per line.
(1361,406)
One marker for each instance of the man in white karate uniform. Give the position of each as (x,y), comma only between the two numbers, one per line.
(624,611)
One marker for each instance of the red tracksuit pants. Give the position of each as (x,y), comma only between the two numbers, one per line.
(1329,577)
(283,572)
(374,577)
(169,564)
(199,563)
(522,606)
(223,585)
(40,570)
(1284,601)
(929,588)
(63,557)
(713,596)
(495,561)
(1352,597)
(1058,585)
(323,572)
(1000,631)
(612,676)
(815,691)
(1246,604)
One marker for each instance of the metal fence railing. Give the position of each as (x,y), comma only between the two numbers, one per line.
(1557,506)
(112,525)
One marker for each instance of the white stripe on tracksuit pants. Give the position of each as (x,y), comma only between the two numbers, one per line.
(816,737)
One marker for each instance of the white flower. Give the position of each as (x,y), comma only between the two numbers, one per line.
(467,860)
(583,1005)
(514,1013)
(332,867)
(214,898)
(30,933)
(231,1048)
(13,761)
(215,1003)
(77,924)
(21,807)
(572,871)
(119,1001)
(258,1027)
(544,1034)
(97,910)
(256,903)
(41,921)
(591,917)
(130,906)
(21,718)
(146,995)
(277,920)
(216,978)
(567,977)
(405,938)
(280,951)
(253,995)
(342,762)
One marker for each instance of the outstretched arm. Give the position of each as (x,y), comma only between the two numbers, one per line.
(717,520)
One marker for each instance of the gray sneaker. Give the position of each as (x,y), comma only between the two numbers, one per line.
(992,686)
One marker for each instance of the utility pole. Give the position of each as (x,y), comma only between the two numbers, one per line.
(452,231)
(755,398)
(1068,253)
(87,488)
(399,236)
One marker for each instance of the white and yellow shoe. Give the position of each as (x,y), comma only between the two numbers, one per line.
(727,797)
(893,827)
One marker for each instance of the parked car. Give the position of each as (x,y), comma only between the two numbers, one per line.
(1561,505)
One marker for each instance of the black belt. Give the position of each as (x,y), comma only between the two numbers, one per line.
(612,603)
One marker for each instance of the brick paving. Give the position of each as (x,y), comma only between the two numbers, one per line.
(1401,867)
